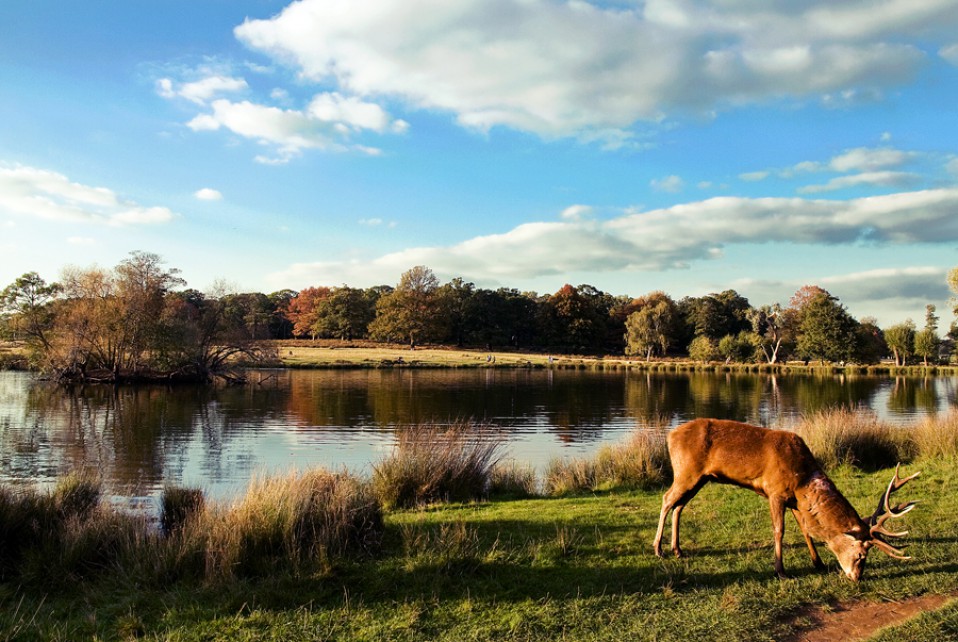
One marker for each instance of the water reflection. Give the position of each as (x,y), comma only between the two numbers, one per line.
(141,438)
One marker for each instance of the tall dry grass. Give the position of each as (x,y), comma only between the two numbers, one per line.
(936,436)
(641,461)
(289,524)
(840,436)
(432,463)
(300,522)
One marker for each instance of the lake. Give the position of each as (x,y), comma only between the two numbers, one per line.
(218,438)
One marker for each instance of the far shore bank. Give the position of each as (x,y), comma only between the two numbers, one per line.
(330,354)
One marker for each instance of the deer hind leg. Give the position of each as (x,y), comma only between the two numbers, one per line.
(816,560)
(676,497)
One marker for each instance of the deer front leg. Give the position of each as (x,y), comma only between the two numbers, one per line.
(777,507)
(816,560)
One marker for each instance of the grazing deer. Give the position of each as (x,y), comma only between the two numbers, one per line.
(778,465)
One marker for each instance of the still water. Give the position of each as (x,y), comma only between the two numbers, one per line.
(141,438)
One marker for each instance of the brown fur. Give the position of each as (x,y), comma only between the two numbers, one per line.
(776,464)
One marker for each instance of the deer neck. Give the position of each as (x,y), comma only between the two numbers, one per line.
(824,510)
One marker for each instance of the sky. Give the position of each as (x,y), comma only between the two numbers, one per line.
(689,146)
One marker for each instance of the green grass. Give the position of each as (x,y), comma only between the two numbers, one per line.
(576,568)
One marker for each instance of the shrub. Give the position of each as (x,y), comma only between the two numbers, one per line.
(433,463)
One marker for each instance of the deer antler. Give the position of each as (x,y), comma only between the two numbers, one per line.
(886,511)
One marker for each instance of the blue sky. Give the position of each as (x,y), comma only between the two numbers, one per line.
(687,146)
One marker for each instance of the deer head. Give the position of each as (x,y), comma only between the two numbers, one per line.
(852,548)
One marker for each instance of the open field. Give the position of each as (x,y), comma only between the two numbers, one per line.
(578,568)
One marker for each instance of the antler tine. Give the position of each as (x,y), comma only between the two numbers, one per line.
(890,550)
(883,505)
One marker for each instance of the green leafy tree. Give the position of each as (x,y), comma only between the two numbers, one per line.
(651,327)
(739,348)
(457,301)
(27,305)
(774,328)
(901,341)
(927,341)
(345,314)
(826,332)
(703,349)
(872,347)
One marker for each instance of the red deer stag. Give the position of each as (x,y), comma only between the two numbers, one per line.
(778,465)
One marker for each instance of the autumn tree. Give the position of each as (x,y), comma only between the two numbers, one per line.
(302,310)
(410,312)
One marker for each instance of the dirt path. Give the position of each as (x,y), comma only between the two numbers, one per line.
(859,620)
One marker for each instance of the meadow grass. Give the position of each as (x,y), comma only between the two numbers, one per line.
(546,568)
(432,463)
(576,568)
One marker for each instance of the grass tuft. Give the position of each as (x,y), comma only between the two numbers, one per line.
(641,461)
(437,463)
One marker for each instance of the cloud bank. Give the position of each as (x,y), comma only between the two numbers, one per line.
(575,68)
(39,193)
(662,239)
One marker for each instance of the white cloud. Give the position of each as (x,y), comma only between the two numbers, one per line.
(878,179)
(661,239)
(922,284)
(200,91)
(754,176)
(533,65)
(371,222)
(576,212)
(865,159)
(208,194)
(952,167)
(32,192)
(327,124)
(950,53)
(81,240)
(671,184)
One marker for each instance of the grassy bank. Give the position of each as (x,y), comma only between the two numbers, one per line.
(309,557)
(542,569)
(337,354)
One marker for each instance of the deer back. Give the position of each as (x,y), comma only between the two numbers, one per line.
(770,462)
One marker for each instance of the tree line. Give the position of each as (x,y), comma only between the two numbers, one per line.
(138,320)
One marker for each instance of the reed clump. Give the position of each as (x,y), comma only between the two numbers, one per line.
(432,463)
(300,522)
(513,480)
(640,461)
(859,438)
